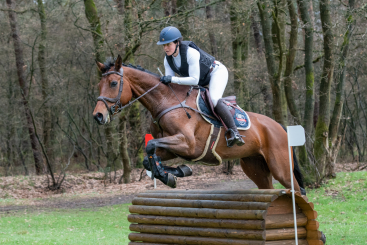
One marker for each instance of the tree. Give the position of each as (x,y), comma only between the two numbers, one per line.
(335,137)
(240,28)
(24,87)
(44,80)
(273,73)
(321,145)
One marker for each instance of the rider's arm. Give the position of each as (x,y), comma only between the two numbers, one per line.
(193,57)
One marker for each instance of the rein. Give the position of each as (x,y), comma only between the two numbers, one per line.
(117,107)
(112,110)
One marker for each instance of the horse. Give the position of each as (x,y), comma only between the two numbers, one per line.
(265,153)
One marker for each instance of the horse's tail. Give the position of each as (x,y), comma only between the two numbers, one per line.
(296,171)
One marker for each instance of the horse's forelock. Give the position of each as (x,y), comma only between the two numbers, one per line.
(108,64)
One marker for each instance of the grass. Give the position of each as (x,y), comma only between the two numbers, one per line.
(107,225)
(341,205)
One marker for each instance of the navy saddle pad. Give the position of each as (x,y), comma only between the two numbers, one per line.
(240,117)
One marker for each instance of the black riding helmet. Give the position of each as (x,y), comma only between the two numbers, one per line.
(169,34)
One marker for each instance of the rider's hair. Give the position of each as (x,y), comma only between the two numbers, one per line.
(178,41)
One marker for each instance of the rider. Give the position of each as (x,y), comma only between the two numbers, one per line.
(196,67)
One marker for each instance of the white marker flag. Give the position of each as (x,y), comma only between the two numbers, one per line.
(296,137)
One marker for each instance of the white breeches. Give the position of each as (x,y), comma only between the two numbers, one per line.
(218,82)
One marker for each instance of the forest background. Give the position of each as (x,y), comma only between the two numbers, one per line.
(298,62)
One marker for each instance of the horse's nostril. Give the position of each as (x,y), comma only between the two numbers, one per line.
(98,117)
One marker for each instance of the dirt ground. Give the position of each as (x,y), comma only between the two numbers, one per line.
(91,190)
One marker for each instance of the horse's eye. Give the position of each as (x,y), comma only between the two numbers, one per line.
(113,84)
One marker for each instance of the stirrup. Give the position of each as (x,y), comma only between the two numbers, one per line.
(235,138)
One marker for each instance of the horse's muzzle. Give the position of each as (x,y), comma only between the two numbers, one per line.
(100,119)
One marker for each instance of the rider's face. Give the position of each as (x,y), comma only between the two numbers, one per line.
(169,48)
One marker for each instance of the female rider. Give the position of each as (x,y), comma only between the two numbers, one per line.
(196,67)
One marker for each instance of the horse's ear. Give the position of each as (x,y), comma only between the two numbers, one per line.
(118,63)
(100,66)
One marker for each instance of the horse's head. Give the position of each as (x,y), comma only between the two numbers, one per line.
(114,91)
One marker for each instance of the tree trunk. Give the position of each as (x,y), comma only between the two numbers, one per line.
(124,154)
(279,37)
(339,100)
(212,40)
(304,6)
(274,76)
(111,142)
(131,44)
(289,62)
(24,88)
(166,5)
(120,6)
(95,25)
(310,96)
(257,36)
(183,25)
(321,145)
(240,39)
(44,80)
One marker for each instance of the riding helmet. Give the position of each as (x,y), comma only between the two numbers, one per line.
(169,34)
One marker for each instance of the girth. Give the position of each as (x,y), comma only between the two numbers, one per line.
(180,105)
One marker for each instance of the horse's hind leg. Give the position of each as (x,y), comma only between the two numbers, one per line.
(278,164)
(257,170)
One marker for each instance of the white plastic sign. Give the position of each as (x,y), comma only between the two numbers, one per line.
(296,135)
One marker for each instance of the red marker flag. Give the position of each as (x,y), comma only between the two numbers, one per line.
(147,138)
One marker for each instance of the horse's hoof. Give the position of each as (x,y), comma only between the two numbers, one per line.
(323,237)
(303,191)
(146,164)
(171,180)
(186,171)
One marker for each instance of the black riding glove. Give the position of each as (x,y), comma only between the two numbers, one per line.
(166,79)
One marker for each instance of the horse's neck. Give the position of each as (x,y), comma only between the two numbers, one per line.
(159,98)
(140,82)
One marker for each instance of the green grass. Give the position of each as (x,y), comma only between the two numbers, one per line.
(107,225)
(341,205)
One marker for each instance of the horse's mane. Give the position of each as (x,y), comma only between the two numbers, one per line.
(110,62)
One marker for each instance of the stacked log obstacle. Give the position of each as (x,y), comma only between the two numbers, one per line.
(221,217)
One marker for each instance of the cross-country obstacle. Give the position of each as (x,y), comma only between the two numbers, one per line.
(221,217)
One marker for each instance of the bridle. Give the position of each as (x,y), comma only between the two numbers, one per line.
(117,107)
(112,110)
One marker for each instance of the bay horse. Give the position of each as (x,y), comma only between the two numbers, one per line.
(265,153)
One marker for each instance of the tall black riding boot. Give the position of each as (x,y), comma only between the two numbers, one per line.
(234,138)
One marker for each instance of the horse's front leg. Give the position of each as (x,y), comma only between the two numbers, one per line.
(168,147)
(165,155)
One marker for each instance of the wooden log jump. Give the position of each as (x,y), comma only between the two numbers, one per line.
(221,217)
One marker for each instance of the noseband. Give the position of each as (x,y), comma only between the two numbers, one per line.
(112,110)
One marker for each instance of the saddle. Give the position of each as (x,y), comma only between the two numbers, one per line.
(205,106)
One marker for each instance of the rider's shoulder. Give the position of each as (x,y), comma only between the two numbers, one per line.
(191,52)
